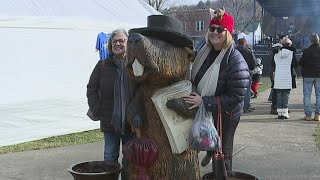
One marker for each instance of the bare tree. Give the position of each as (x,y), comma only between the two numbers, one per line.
(201,5)
(157,4)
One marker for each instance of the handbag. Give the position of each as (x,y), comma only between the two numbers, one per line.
(220,167)
(89,112)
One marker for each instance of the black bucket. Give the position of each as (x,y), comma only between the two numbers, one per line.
(95,170)
(232,175)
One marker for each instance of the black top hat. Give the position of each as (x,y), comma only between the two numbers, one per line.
(166,28)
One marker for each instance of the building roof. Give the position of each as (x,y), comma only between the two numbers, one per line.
(286,8)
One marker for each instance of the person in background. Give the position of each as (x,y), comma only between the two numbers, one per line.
(109,91)
(270,94)
(249,57)
(231,83)
(292,31)
(310,71)
(273,92)
(256,75)
(284,62)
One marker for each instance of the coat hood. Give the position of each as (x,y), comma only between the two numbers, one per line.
(283,53)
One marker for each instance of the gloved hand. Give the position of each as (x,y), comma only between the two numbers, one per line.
(181,108)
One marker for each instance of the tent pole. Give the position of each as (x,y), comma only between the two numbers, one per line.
(275,27)
(254,21)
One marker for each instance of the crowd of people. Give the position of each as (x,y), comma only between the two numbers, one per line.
(283,76)
(238,74)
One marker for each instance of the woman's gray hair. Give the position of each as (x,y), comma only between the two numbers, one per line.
(115,32)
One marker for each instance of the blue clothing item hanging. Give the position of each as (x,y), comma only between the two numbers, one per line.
(102,45)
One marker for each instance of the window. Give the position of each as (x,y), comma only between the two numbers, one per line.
(200,26)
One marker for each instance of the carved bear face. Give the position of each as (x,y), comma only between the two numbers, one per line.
(156,62)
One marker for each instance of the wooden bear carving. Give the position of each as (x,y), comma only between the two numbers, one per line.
(163,58)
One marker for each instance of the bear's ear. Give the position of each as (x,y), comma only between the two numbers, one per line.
(191,55)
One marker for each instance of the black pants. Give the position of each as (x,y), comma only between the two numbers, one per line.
(228,130)
(274,98)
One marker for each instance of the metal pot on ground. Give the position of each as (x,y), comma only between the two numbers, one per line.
(95,170)
(232,175)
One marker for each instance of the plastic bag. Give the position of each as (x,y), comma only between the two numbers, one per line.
(203,135)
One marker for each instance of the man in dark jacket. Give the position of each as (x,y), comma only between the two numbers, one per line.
(310,63)
(248,55)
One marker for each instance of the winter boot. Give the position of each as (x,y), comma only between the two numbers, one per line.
(280,113)
(307,118)
(285,113)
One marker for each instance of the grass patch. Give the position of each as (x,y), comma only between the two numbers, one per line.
(87,136)
(266,83)
(317,136)
(56,141)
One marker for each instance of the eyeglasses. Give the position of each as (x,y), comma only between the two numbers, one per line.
(219,29)
(121,41)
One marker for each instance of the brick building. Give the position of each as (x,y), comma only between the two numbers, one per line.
(196,22)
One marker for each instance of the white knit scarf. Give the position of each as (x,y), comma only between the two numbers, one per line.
(208,83)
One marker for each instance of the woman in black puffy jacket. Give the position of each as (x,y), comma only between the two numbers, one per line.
(230,87)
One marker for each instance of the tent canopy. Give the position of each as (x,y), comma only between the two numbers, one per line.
(47,55)
(73,14)
(286,8)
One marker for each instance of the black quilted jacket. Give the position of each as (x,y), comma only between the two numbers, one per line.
(232,83)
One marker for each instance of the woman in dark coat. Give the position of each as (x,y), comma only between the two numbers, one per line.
(109,91)
(230,86)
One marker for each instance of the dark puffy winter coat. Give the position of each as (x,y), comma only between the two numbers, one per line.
(101,90)
(310,62)
(231,87)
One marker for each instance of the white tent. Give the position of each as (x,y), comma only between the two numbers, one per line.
(47,55)
(242,35)
(249,37)
(257,36)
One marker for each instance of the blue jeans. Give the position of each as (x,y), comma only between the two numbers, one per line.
(112,149)
(308,83)
(247,97)
(283,98)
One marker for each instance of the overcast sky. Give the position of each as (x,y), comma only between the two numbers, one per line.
(191,1)
(185,2)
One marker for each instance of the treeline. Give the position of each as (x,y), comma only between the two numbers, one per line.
(242,10)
